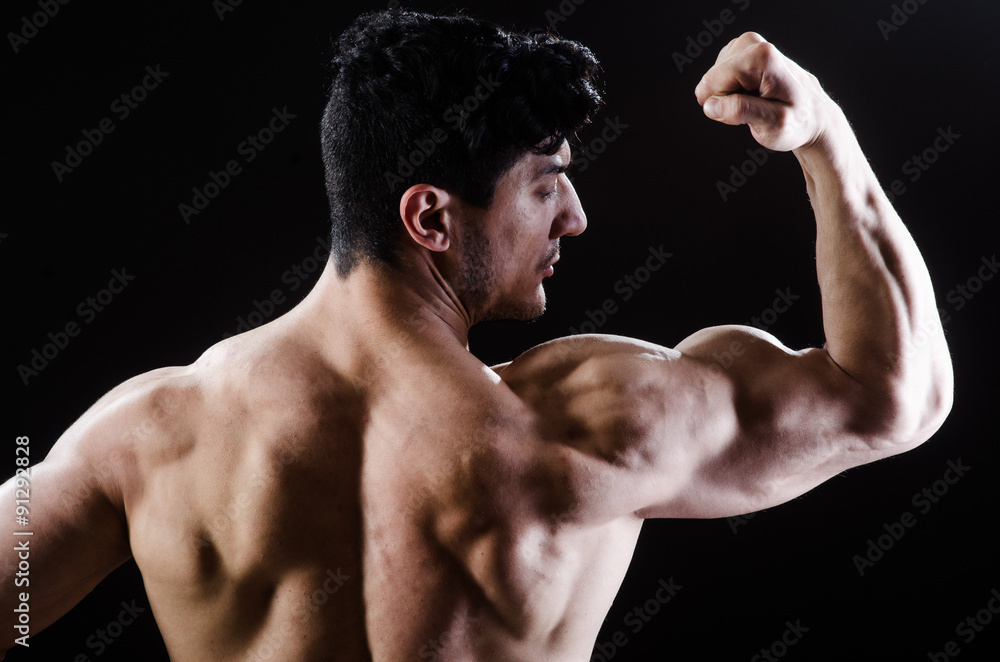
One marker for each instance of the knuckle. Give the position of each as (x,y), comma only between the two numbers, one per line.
(752,37)
(766,53)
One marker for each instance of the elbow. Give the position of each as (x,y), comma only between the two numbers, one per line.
(939,401)
(930,392)
(938,396)
(930,417)
(910,412)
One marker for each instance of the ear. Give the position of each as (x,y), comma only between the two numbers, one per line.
(425,211)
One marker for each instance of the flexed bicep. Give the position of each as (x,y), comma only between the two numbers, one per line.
(770,424)
(729,422)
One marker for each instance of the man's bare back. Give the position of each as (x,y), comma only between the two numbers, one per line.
(276,502)
(349,482)
(288,508)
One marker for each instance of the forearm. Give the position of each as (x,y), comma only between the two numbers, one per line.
(879,313)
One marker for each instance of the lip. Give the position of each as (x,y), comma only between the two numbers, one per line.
(549,270)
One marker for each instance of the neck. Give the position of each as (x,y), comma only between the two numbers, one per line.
(379,305)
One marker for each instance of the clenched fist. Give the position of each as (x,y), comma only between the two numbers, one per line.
(752,83)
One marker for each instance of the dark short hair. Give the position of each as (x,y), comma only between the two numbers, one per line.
(446,100)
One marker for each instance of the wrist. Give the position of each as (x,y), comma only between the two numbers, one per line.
(833,135)
(833,163)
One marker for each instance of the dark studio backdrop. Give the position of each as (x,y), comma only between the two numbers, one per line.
(884,562)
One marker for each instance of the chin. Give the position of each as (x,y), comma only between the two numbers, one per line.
(520,310)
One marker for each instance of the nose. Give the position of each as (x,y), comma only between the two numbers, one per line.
(571,219)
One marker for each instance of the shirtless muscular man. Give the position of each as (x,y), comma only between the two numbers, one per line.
(355,445)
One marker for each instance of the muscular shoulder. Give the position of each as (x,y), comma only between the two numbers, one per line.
(611,359)
(599,393)
(138,402)
(160,415)
(101,449)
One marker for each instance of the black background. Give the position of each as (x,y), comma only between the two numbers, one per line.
(656,184)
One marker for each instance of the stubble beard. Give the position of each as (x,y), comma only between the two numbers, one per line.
(477,282)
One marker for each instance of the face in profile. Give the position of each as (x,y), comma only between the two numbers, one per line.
(507,250)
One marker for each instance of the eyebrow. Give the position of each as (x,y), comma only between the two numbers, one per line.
(552,168)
